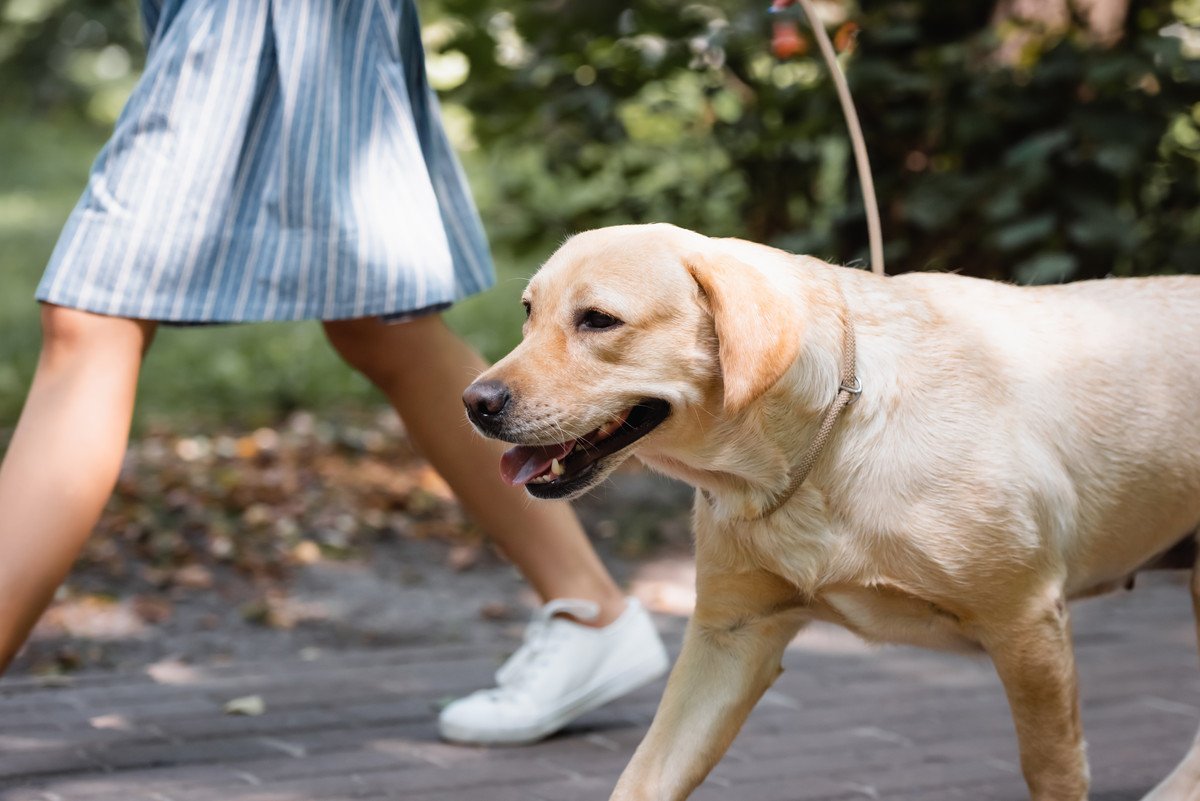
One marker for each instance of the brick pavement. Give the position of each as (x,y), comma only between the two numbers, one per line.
(843,722)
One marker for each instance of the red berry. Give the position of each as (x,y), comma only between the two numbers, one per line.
(786,41)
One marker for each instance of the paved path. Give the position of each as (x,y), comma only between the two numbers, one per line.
(844,722)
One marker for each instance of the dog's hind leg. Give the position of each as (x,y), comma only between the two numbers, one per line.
(1184,782)
(1031,649)
(731,655)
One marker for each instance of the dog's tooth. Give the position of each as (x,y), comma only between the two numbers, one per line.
(556,467)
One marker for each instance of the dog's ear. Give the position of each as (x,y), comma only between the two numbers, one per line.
(758,331)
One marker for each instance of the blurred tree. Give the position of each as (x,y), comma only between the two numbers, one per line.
(1076,156)
(73,56)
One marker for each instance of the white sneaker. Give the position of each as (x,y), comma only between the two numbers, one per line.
(563,670)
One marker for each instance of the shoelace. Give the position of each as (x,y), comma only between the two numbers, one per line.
(519,671)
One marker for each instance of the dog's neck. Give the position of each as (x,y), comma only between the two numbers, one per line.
(744,464)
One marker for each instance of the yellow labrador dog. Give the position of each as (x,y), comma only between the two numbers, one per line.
(1011,449)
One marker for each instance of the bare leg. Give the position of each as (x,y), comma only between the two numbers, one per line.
(1032,653)
(423,367)
(64,458)
(1184,782)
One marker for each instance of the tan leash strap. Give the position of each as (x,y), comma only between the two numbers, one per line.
(849,388)
(874,229)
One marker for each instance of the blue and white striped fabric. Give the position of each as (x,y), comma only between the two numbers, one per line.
(278,160)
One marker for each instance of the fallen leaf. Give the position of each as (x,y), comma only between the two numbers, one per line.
(114,721)
(194,577)
(307,553)
(152,608)
(249,705)
(496,610)
(464,557)
(172,671)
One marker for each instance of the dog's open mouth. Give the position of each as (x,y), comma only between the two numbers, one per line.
(554,471)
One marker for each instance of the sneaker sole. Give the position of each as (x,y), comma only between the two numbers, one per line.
(621,684)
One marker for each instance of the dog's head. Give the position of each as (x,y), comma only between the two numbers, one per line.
(634,334)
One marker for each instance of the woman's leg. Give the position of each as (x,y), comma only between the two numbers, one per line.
(423,368)
(63,460)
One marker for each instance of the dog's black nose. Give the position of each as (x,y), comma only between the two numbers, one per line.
(486,400)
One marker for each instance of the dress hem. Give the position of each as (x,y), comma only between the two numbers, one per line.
(385,314)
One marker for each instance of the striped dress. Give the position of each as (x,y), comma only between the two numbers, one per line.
(278,160)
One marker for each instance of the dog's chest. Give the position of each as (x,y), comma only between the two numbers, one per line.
(884,613)
(840,575)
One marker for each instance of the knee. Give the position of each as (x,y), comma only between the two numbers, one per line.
(375,349)
(69,334)
(64,330)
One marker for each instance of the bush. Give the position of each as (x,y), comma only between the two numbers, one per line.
(1076,161)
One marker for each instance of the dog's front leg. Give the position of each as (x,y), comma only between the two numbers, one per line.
(1032,653)
(731,655)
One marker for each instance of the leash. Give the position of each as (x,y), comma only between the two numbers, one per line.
(849,388)
(849,385)
(874,230)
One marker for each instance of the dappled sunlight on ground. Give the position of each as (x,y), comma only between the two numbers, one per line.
(666,584)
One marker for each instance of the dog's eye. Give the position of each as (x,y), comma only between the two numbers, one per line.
(597,320)
(528,308)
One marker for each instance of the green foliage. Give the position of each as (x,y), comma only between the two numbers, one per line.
(80,56)
(1078,161)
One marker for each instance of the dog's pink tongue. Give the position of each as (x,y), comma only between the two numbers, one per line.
(524,462)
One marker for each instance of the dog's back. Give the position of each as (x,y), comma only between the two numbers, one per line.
(1102,378)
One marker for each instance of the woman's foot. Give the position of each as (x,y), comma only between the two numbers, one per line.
(563,670)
